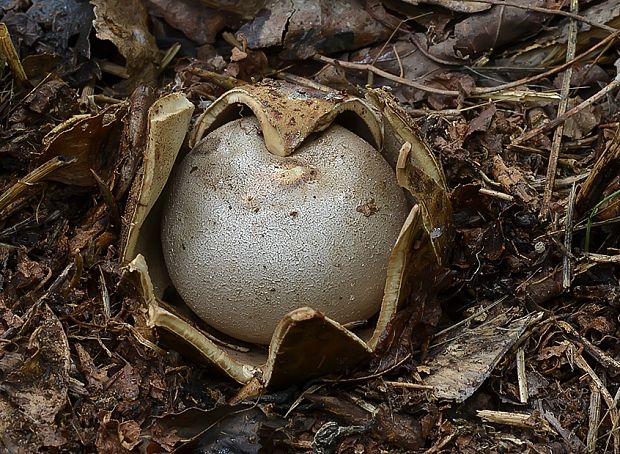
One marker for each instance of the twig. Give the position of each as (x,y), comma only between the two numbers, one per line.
(33,177)
(476,91)
(370,79)
(471,317)
(574,443)
(105,295)
(594,414)
(311,389)
(443,442)
(528,80)
(538,9)
(609,401)
(602,258)
(567,271)
(113,68)
(106,99)
(402,384)
(8,50)
(385,74)
(371,376)
(608,362)
(32,310)
(497,194)
(562,118)
(226,82)
(413,38)
(524,420)
(552,166)
(168,57)
(522,376)
(304,82)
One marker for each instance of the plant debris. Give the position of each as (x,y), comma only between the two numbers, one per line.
(519,104)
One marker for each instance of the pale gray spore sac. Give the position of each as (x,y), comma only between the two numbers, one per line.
(249,236)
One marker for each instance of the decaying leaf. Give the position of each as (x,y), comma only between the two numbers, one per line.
(582,123)
(501,25)
(245,8)
(197,21)
(305,27)
(550,47)
(467,6)
(90,139)
(56,30)
(125,23)
(34,391)
(463,363)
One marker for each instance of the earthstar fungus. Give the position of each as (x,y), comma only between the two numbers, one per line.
(305,342)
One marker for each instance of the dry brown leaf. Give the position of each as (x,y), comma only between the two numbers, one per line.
(460,366)
(550,47)
(36,390)
(305,27)
(464,6)
(501,25)
(198,22)
(125,23)
(512,180)
(93,140)
(583,122)
(247,9)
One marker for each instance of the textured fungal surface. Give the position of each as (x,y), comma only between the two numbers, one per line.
(249,236)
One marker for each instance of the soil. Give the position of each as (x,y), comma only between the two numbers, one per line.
(517,347)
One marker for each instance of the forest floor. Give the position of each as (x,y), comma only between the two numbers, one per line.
(518,102)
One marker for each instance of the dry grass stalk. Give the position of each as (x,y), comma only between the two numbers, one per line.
(33,177)
(567,264)
(7,50)
(571,50)
(523,420)
(594,414)
(522,376)
(609,401)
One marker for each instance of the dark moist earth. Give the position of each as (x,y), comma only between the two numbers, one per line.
(520,351)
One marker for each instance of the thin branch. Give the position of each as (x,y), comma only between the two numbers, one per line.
(528,80)
(476,91)
(552,166)
(567,264)
(32,178)
(539,9)
(562,118)
(385,74)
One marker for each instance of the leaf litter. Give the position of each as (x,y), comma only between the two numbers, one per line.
(520,351)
